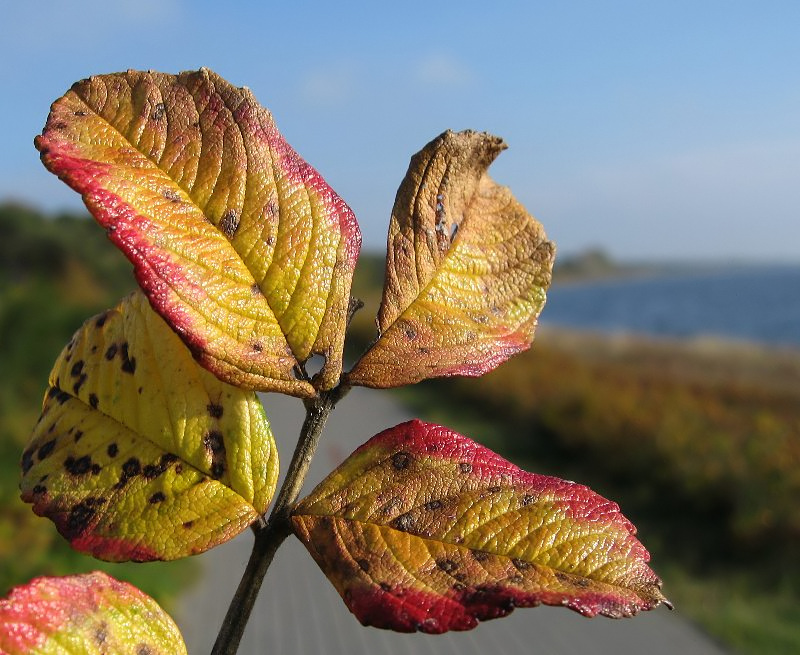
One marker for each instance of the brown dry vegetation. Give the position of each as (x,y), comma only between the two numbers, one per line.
(699,442)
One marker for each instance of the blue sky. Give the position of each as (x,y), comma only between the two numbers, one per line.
(666,130)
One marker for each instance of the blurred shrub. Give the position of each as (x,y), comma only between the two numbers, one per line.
(55,272)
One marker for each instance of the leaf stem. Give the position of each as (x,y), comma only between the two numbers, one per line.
(271,533)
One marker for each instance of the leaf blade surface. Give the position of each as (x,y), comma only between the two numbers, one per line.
(466,272)
(140,453)
(239,244)
(424,529)
(88,614)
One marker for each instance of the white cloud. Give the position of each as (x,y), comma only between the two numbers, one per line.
(48,24)
(443,70)
(735,200)
(331,86)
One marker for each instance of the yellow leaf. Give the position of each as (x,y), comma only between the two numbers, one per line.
(141,454)
(238,243)
(466,271)
(424,529)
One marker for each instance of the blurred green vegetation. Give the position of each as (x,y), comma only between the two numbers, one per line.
(55,272)
(699,442)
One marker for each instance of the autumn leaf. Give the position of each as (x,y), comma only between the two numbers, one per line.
(141,454)
(90,614)
(424,529)
(238,243)
(466,271)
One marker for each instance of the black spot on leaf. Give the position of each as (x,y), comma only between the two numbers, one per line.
(229,223)
(80,517)
(45,449)
(128,362)
(39,489)
(27,460)
(112,450)
(152,471)
(158,112)
(77,368)
(78,435)
(214,411)
(404,522)
(188,524)
(131,468)
(401,460)
(79,383)
(447,565)
(79,466)
(392,505)
(520,564)
(213,441)
(527,499)
(101,320)
(480,555)
(93,401)
(363,564)
(433,505)
(157,497)
(171,195)
(111,351)
(465,467)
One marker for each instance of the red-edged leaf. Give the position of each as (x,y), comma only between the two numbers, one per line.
(90,614)
(466,270)
(239,244)
(424,529)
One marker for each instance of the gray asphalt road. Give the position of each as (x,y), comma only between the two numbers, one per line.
(298,611)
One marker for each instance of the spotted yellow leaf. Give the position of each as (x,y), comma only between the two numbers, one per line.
(238,243)
(424,529)
(90,614)
(466,271)
(140,453)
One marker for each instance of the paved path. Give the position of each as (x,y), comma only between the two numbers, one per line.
(299,612)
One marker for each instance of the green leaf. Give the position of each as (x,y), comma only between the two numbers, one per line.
(424,529)
(238,243)
(466,271)
(141,454)
(90,614)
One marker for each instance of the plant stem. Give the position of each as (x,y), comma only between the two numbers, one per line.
(271,534)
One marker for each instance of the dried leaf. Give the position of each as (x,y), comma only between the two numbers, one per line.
(424,529)
(90,614)
(239,244)
(466,272)
(141,454)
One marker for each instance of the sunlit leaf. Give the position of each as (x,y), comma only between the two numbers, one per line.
(424,529)
(239,244)
(466,271)
(141,454)
(90,614)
